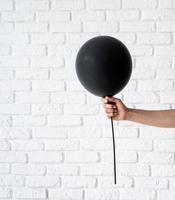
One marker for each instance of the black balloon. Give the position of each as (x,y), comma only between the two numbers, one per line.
(103,65)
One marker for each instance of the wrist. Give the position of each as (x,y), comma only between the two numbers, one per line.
(129,114)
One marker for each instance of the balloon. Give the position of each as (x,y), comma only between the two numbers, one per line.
(103,65)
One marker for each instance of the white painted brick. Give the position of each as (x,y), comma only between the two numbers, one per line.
(166,4)
(168,50)
(155,85)
(42,181)
(5,121)
(31,27)
(28,169)
(52,16)
(6,27)
(88,15)
(27,145)
(164,145)
(14,38)
(31,74)
(167,26)
(81,157)
(61,27)
(46,61)
(63,145)
(141,97)
(4,145)
(67,5)
(134,144)
(39,5)
(167,97)
(151,182)
(50,132)
(68,98)
(139,4)
(29,193)
(133,170)
(47,38)
(4,50)
(165,74)
(46,109)
(4,168)
(169,194)
(63,169)
(142,73)
(137,26)
(11,180)
(14,85)
(163,170)
(5,192)
(12,157)
(162,14)
(17,16)
(47,86)
(15,133)
(32,97)
(97,169)
(172,182)
(66,193)
(14,61)
(74,86)
(6,74)
(140,50)
(101,194)
(122,15)
(100,27)
(6,97)
(153,38)
(28,120)
(156,133)
(78,182)
(154,62)
(84,132)
(45,157)
(15,109)
(156,158)
(134,193)
(107,181)
(103,4)
(65,120)
(121,156)
(6,5)
(96,120)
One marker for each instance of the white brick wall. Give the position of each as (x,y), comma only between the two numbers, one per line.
(55,140)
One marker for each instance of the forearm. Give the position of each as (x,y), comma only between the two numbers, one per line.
(159,118)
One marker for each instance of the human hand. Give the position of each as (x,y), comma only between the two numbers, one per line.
(115,108)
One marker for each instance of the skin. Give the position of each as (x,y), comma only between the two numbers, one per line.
(116,109)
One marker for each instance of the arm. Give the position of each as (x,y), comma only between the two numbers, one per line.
(159,118)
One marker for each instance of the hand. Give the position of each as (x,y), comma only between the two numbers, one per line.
(115,108)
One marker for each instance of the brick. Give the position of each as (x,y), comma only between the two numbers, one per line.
(14,38)
(165,26)
(169,193)
(65,194)
(23,120)
(139,4)
(42,181)
(31,27)
(6,74)
(155,158)
(100,27)
(32,97)
(46,109)
(166,4)
(6,5)
(14,85)
(164,145)
(4,145)
(137,26)
(161,14)
(163,170)
(6,27)
(50,132)
(39,5)
(28,169)
(12,157)
(17,17)
(47,85)
(14,61)
(167,50)
(45,157)
(88,15)
(52,16)
(134,144)
(65,120)
(122,15)
(63,169)
(78,182)
(165,74)
(29,193)
(61,27)
(15,109)
(5,192)
(101,194)
(103,4)
(67,5)
(4,168)
(27,145)
(4,50)
(46,61)
(5,121)
(11,180)
(81,157)
(15,133)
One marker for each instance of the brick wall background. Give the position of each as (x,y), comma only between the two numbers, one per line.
(55,140)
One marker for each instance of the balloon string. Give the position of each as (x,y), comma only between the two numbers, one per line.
(113,150)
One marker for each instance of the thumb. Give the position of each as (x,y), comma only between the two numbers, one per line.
(110,99)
